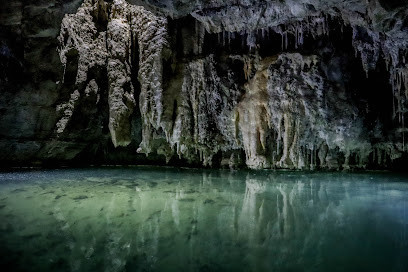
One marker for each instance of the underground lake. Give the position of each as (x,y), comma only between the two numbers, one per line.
(174,219)
(205,135)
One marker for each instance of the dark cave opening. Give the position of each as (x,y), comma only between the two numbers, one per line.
(225,43)
(101,16)
(68,77)
(393,4)
(174,114)
(374,94)
(11,68)
(182,35)
(134,64)
(71,67)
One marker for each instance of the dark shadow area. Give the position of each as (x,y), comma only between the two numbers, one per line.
(393,4)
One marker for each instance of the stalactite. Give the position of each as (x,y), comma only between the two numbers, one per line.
(287,104)
(315,25)
(251,41)
(95,48)
(369,52)
(199,37)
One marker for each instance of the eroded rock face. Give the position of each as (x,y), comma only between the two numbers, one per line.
(262,84)
(113,45)
(312,118)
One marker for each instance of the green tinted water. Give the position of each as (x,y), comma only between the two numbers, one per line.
(165,219)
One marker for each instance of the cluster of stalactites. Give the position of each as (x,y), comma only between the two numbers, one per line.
(267,110)
(201,124)
(308,124)
(398,69)
(377,32)
(289,117)
(80,40)
(399,83)
(95,46)
(371,42)
(369,52)
(316,26)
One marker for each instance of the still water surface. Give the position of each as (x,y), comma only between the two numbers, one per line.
(167,219)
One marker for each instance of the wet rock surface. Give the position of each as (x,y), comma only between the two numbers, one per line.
(258,84)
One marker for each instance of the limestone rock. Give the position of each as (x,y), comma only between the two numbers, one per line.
(104,34)
(304,84)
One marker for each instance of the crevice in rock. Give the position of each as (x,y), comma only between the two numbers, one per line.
(101,15)
(71,67)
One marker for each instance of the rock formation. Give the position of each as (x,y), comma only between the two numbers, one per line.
(265,84)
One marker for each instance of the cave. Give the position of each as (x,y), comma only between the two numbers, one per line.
(224,135)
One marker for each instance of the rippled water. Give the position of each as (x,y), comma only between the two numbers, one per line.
(166,219)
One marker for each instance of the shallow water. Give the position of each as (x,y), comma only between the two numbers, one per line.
(166,219)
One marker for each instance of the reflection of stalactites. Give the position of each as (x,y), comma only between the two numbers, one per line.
(346,186)
(402,236)
(149,231)
(322,193)
(154,229)
(294,198)
(175,211)
(311,192)
(193,240)
(116,249)
(65,231)
(260,214)
(283,222)
(247,222)
(207,180)
(296,191)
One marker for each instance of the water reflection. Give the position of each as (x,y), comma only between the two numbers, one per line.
(142,219)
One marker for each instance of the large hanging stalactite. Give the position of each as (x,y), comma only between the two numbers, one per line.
(112,47)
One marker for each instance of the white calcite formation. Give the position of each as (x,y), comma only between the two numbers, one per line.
(125,26)
(380,29)
(287,114)
(311,117)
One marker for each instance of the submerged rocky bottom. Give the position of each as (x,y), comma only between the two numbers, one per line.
(167,219)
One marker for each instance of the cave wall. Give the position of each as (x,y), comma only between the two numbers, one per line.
(29,69)
(258,84)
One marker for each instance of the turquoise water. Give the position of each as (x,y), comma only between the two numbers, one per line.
(166,219)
